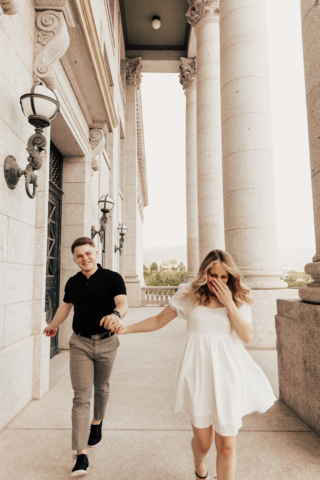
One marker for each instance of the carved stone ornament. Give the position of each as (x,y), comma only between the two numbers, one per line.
(133,68)
(51,42)
(97,141)
(188,67)
(8,7)
(140,203)
(200,9)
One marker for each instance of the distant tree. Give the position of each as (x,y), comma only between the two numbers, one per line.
(181,266)
(172,262)
(297,279)
(153,266)
(145,267)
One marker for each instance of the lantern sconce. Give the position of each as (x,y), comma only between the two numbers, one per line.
(106,204)
(40,106)
(122,229)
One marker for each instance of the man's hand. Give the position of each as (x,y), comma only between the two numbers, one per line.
(110,322)
(49,331)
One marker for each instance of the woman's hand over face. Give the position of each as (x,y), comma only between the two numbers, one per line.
(223,292)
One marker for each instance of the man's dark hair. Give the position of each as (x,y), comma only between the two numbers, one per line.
(82,241)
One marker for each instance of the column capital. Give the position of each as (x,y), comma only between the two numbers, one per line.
(51,42)
(201,9)
(133,71)
(188,67)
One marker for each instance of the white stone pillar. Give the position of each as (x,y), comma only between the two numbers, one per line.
(248,178)
(204,16)
(311,42)
(188,69)
(132,278)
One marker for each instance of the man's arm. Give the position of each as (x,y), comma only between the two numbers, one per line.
(60,316)
(110,321)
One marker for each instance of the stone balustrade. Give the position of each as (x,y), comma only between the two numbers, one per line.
(157,296)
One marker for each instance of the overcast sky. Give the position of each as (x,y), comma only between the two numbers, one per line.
(164,129)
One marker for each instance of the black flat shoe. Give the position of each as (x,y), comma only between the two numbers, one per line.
(81,467)
(198,476)
(95,435)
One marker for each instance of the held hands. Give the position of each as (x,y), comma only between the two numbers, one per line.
(222,292)
(49,331)
(111,322)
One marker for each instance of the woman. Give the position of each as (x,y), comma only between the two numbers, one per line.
(217,382)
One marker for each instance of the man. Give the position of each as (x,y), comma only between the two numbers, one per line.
(99,300)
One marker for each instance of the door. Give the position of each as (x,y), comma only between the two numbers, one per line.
(54,240)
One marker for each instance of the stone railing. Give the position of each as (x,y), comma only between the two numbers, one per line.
(157,296)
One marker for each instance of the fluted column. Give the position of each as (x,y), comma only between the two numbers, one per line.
(248,177)
(188,69)
(311,44)
(203,15)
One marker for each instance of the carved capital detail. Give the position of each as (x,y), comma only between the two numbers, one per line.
(51,42)
(188,67)
(133,71)
(200,9)
(97,141)
(8,7)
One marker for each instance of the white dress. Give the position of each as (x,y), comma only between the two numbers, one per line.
(217,382)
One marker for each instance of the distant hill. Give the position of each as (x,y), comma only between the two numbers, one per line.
(289,258)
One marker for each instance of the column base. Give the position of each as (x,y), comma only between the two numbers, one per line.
(311,291)
(262,279)
(133,285)
(190,277)
(298,345)
(264,310)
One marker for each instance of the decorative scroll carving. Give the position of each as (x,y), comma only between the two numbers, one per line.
(188,73)
(140,203)
(51,42)
(133,74)
(97,141)
(8,7)
(200,9)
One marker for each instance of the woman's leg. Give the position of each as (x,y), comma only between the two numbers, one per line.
(226,457)
(200,444)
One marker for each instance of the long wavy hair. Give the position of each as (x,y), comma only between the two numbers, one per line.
(199,292)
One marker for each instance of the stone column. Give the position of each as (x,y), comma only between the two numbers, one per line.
(249,199)
(132,279)
(204,16)
(188,69)
(311,43)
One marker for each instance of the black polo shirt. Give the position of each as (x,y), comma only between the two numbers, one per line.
(93,298)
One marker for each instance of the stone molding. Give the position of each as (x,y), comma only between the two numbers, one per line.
(8,7)
(51,42)
(141,155)
(188,67)
(59,5)
(97,141)
(133,71)
(201,9)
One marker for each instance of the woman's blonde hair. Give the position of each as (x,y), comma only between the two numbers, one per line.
(199,292)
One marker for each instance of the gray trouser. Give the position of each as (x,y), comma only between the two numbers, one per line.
(91,363)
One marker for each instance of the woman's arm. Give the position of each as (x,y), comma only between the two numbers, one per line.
(150,324)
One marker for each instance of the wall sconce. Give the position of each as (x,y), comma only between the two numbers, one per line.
(122,229)
(40,106)
(106,204)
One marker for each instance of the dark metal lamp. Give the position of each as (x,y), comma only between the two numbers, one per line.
(122,229)
(106,204)
(40,107)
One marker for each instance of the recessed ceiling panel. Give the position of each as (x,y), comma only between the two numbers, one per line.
(137,17)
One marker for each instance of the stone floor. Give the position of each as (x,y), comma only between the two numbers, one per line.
(143,439)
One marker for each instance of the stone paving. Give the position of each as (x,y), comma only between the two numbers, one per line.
(143,439)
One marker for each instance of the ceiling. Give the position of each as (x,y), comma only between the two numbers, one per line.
(138,32)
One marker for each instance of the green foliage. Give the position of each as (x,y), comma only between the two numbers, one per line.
(297,279)
(181,266)
(145,267)
(162,278)
(153,266)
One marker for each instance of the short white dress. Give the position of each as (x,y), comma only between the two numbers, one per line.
(217,382)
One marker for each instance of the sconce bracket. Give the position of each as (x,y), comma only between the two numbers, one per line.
(12,171)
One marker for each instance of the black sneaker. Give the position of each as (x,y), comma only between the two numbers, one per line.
(81,467)
(95,435)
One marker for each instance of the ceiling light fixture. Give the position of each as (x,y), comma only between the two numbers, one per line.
(156,22)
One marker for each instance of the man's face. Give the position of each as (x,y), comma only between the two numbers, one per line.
(85,257)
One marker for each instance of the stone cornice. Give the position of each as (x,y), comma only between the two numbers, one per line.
(97,141)
(188,67)
(133,71)
(8,7)
(201,9)
(85,14)
(51,42)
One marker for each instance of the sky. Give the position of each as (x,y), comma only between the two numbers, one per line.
(164,107)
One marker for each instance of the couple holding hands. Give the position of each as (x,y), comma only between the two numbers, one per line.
(217,382)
